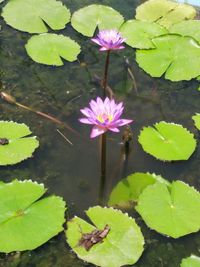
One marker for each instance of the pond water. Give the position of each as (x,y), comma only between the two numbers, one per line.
(73,171)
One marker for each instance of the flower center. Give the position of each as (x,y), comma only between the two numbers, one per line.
(104,118)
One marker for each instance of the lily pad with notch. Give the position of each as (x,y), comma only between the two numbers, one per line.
(172,211)
(192,261)
(26,221)
(138,34)
(169,57)
(122,242)
(15,145)
(187,28)
(164,12)
(49,49)
(196,119)
(33,16)
(88,18)
(167,141)
(127,191)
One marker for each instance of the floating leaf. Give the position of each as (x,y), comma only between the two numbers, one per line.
(31,16)
(49,48)
(169,57)
(86,19)
(25,221)
(138,34)
(173,212)
(164,12)
(123,244)
(129,189)
(167,141)
(192,261)
(196,119)
(15,146)
(187,28)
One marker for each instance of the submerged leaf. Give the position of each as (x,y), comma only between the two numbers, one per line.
(192,261)
(129,189)
(49,49)
(25,221)
(164,12)
(167,141)
(31,16)
(122,245)
(173,212)
(88,18)
(15,146)
(169,57)
(138,34)
(196,119)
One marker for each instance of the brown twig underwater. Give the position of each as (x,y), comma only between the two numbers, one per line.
(130,72)
(63,136)
(10,99)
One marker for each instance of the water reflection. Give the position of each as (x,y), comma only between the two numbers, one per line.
(73,171)
(191,2)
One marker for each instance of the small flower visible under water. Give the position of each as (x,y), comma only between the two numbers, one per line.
(104,115)
(109,40)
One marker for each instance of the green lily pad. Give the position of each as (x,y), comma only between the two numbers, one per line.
(31,16)
(192,261)
(187,28)
(138,34)
(88,18)
(164,12)
(169,57)
(123,245)
(15,146)
(129,189)
(196,119)
(26,222)
(173,212)
(167,141)
(49,49)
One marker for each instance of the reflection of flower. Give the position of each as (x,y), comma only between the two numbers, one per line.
(104,115)
(109,40)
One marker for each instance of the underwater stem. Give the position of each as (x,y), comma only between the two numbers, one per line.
(103,168)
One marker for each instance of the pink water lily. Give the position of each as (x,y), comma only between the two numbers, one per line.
(109,40)
(104,115)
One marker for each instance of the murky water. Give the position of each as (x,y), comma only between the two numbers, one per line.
(73,171)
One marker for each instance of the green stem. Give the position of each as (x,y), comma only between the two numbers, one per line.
(103,168)
(103,137)
(105,79)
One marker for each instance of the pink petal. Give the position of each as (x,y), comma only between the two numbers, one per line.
(96,131)
(86,121)
(103,49)
(116,130)
(122,122)
(96,41)
(87,112)
(119,47)
(100,102)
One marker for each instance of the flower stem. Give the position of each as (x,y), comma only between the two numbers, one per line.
(105,79)
(103,137)
(103,168)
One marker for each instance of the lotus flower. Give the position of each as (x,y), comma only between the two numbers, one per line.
(104,115)
(109,40)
